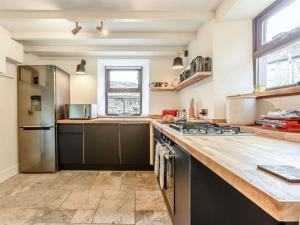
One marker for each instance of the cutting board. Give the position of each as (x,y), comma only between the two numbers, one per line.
(288,173)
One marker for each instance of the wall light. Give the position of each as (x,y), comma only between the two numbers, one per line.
(178,62)
(80,69)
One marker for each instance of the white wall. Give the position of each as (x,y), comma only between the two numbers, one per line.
(203,91)
(84,88)
(282,103)
(233,67)
(230,46)
(160,69)
(8,127)
(8,105)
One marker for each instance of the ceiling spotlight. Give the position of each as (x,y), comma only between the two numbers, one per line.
(76,29)
(80,69)
(101,29)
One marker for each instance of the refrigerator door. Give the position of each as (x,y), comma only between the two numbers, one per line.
(36,119)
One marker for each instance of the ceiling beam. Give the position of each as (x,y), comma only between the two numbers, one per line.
(83,48)
(104,50)
(39,36)
(94,15)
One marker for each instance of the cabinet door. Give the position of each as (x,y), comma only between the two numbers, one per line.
(215,202)
(101,144)
(135,144)
(70,144)
(182,187)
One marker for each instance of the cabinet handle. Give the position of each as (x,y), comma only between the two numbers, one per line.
(37,127)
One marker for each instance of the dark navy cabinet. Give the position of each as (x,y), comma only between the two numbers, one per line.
(104,146)
(215,202)
(182,187)
(70,145)
(135,144)
(101,144)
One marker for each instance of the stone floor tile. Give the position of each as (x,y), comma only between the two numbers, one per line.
(152,218)
(139,181)
(116,207)
(150,200)
(76,181)
(107,182)
(83,216)
(53,216)
(15,216)
(83,200)
(50,198)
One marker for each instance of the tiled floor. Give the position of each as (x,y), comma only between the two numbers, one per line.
(82,197)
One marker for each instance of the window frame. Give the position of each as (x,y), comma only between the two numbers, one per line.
(108,89)
(259,49)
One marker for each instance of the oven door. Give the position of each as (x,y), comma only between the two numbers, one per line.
(170,178)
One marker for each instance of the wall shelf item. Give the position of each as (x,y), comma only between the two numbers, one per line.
(187,82)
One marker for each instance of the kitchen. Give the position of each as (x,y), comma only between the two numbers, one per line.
(137,112)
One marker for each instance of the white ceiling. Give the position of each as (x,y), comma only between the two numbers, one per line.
(44,26)
(163,27)
(62,25)
(147,5)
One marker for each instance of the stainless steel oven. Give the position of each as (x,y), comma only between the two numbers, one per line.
(169,189)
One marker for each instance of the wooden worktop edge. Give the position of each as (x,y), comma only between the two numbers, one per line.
(99,121)
(281,211)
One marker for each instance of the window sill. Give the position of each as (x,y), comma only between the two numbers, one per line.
(275,93)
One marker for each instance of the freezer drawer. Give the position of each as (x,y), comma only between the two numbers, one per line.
(37,149)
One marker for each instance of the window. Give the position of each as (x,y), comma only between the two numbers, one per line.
(277,45)
(123,91)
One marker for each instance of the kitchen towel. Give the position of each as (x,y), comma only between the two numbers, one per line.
(156,162)
(162,162)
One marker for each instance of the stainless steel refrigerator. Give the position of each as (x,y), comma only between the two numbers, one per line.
(42,93)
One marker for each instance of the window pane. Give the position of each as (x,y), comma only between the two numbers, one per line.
(284,21)
(124,103)
(124,78)
(280,68)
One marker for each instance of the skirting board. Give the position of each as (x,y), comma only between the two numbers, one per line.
(9,172)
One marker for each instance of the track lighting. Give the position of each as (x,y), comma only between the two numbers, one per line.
(76,29)
(101,29)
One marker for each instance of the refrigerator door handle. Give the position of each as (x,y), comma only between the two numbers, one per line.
(37,127)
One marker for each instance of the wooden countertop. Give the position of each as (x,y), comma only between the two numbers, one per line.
(135,120)
(235,159)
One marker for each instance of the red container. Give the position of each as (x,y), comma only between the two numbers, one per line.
(170,112)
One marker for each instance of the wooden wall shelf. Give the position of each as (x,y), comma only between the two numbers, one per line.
(162,89)
(274,93)
(279,92)
(193,79)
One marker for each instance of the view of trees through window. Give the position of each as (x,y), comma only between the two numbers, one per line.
(123,91)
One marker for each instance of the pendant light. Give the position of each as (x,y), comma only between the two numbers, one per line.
(80,69)
(178,62)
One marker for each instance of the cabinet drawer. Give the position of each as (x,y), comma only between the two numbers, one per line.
(70,128)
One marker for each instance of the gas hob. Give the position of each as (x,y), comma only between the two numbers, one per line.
(206,128)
